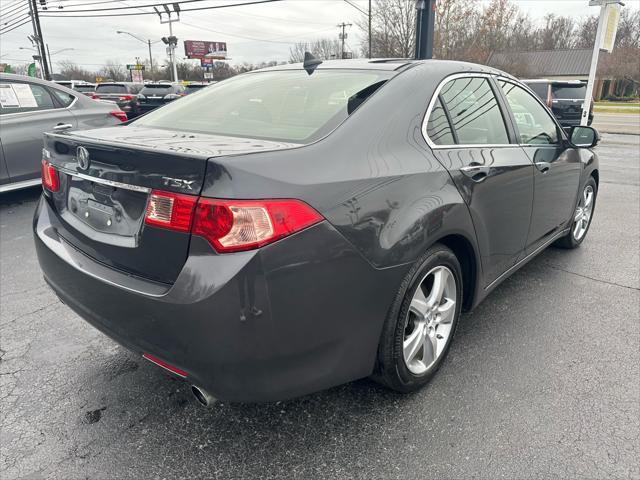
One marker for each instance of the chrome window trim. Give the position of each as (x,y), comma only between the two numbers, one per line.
(103,181)
(432,102)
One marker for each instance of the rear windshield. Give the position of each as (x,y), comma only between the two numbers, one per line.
(111,89)
(569,92)
(288,105)
(539,89)
(84,88)
(156,89)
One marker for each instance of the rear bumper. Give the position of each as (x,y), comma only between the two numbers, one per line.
(298,316)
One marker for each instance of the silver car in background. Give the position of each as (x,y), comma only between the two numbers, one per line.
(28,108)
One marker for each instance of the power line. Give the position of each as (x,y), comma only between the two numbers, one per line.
(28,20)
(9,17)
(356,7)
(18,7)
(62,13)
(274,40)
(128,7)
(13,22)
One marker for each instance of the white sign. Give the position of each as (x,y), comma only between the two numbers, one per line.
(611,18)
(8,97)
(25,95)
(17,95)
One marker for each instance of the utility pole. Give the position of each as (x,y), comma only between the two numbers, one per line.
(37,35)
(425,25)
(343,35)
(150,59)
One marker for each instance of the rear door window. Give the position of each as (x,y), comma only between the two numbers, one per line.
(438,127)
(472,109)
(65,99)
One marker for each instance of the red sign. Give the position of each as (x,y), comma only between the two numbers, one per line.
(201,49)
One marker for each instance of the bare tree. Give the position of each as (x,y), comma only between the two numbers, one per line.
(323,48)
(454,25)
(70,70)
(556,33)
(113,71)
(393,27)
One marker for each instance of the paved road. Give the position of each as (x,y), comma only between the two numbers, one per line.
(543,381)
(617,122)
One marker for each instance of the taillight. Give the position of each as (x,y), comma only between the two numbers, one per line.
(50,177)
(235,225)
(120,115)
(94,96)
(125,98)
(230,225)
(170,210)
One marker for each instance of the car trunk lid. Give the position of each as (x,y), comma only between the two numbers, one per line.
(106,178)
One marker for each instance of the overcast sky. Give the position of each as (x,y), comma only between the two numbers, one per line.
(253,33)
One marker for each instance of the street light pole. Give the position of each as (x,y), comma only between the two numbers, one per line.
(148,42)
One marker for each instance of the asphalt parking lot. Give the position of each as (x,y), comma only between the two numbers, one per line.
(543,381)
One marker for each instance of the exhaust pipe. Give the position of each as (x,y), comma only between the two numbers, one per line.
(205,398)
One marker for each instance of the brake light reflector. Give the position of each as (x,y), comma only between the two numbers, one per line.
(165,365)
(50,177)
(235,225)
(120,115)
(170,210)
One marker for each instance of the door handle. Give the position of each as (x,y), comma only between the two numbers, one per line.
(62,126)
(477,173)
(544,167)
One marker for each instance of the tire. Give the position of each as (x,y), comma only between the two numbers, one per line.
(404,322)
(576,235)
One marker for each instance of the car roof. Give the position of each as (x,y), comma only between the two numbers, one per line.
(545,80)
(389,65)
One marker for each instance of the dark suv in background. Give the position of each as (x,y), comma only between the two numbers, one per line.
(563,97)
(125,94)
(154,95)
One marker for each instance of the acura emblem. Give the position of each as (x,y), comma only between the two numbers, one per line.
(82,155)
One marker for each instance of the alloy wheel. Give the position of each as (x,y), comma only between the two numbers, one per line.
(429,320)
(582,216)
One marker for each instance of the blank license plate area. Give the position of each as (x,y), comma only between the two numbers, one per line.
(106,209)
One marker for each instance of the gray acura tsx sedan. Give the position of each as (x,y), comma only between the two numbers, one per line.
(298,227)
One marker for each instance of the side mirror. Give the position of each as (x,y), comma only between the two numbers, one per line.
(584,137)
